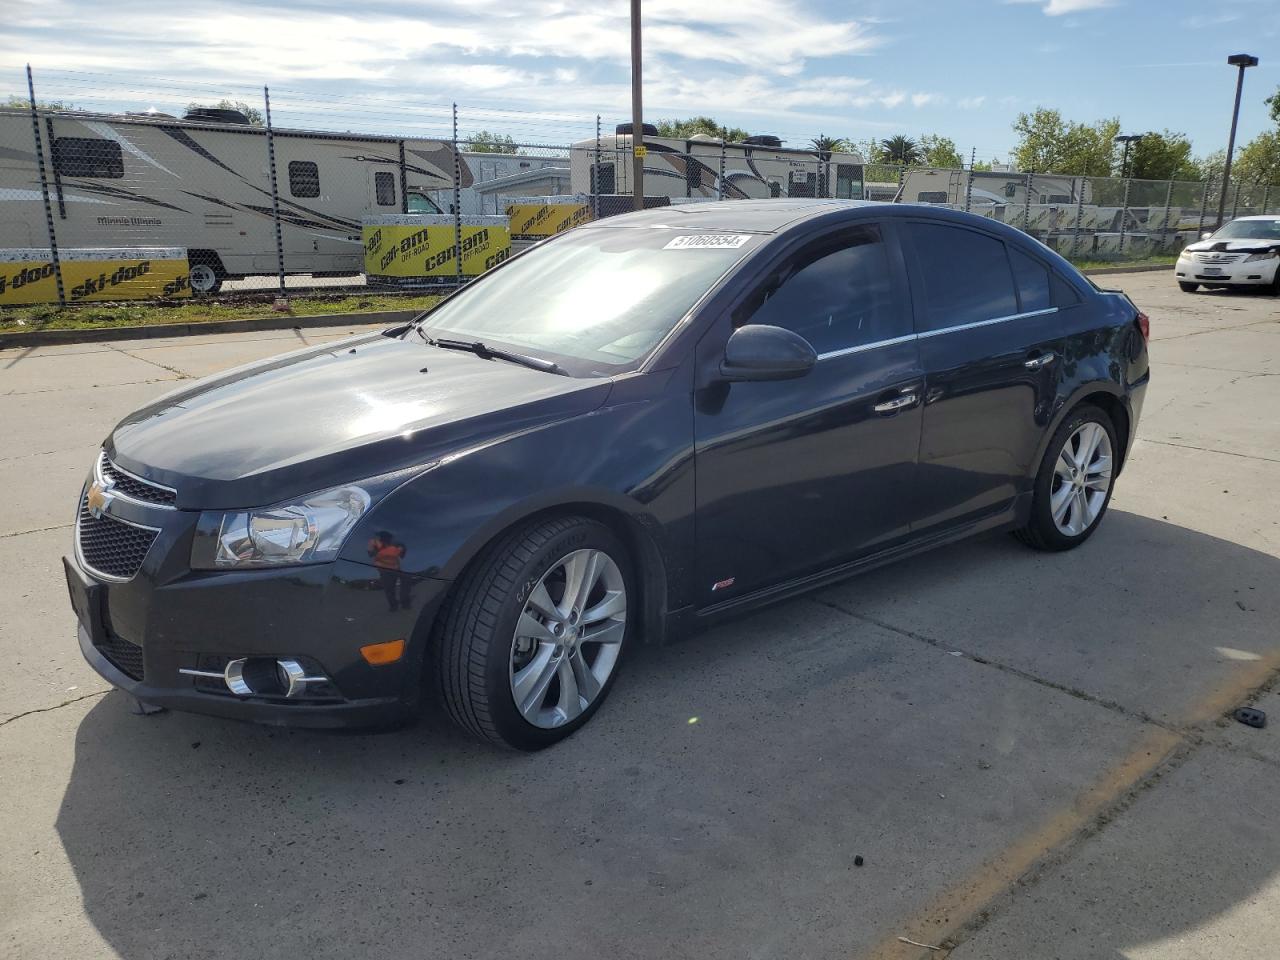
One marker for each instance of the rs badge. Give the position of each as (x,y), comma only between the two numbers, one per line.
(99,498)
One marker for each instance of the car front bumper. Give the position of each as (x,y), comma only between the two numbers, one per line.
(142,634)
(1259,273)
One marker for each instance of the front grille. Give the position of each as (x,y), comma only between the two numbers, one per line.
(136,489)
(112,547)
(125,655)
(1219,257)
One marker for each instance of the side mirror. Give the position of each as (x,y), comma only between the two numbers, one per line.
(761,352)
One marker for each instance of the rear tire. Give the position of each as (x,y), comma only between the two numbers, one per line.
(205,279)
(1073,487)
(1188,287)
(512,626)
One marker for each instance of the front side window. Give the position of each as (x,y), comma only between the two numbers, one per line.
(384,188)
(420,203)
(87,157)
(838,294)
(603,295)
(304,178)
(965,275)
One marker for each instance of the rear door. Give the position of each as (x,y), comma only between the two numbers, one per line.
(991,348)
(795,476)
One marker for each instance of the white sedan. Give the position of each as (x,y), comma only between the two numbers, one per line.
(1243,253)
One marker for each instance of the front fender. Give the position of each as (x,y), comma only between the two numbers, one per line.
(632,458)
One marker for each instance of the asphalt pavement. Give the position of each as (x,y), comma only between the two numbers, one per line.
(1031,753)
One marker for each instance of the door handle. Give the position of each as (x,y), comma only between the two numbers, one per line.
(897,403)
(1042,360)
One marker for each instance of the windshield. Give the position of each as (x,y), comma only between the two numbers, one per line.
(1249,230)
(606,296)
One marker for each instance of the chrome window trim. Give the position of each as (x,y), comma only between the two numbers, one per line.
(987,323)
(863,347)
(128,523)
(97,475)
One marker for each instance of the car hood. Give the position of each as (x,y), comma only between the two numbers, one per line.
(327,415)
(1232,246)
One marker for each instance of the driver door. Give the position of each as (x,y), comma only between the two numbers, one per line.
(796,476)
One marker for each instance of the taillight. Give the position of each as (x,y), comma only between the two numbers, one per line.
(1144,324)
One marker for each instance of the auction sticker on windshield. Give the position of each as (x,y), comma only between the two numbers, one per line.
(708,241)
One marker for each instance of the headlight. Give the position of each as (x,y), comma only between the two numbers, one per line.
(310,530)
(1189,254)
(1269,255)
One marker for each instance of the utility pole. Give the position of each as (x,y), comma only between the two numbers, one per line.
(1126,139)
(637,113)
(1243,61)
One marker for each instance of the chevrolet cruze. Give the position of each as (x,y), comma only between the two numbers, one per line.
(636,428)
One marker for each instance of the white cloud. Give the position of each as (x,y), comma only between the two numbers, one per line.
(971,103)
(1056,8)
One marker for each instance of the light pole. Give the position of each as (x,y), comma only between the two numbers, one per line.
(1243,61)
(1126,139)
(637,114)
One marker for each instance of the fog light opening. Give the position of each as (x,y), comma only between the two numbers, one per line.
(269,677)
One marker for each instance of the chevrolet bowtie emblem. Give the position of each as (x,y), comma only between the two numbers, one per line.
(99,497)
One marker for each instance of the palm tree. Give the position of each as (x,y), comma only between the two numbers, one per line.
(901,150)
(825,146)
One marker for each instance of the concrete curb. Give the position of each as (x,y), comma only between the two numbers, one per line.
(42,338)
(1103,271)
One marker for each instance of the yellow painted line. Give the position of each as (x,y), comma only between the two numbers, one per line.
(949,912)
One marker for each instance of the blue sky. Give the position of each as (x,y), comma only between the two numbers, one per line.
(543,68)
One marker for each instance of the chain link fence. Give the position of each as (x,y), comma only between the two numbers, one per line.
(161,189)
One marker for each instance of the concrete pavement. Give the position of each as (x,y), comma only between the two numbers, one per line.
(1029,751)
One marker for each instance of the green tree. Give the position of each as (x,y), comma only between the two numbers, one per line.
(939,151)
(15,102)
(901,150)
(684,129)
(252,114)
(825,146)
(482,141)
(1162,156)
(1273,102)
(1049,144)
(1258,160)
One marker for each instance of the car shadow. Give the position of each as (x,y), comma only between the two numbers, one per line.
(694,816)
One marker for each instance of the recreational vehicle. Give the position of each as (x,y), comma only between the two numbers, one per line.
(706,168)
(205,183)
(499,178)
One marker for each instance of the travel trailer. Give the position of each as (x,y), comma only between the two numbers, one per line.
(204,183)
(928,185)
(499,178)
(706,168)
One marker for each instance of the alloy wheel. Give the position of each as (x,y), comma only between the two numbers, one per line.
(1081,479)
(568,638)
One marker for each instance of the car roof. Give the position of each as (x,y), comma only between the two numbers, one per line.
(1258,216)
(754,216)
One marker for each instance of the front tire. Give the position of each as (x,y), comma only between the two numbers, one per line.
(204,279)
(1188,287)
(1074,484)
(534,635)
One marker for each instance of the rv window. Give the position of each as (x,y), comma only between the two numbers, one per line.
(87,157)
(931,196)
(384,188)
(304,178)
(422,204)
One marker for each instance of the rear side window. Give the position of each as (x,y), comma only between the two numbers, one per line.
(965,276)
(87,157)
(304,178)
(384,188)
(1032,278)
(837,294)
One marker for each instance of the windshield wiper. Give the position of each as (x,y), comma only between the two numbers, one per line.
(493,353)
